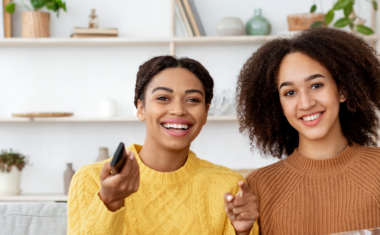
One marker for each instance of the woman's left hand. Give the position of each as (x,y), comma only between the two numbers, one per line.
(242,209)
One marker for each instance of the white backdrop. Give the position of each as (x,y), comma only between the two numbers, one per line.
(75,79)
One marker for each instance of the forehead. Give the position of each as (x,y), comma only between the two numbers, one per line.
(177,79)
(298,66)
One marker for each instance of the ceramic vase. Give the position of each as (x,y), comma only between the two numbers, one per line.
(230,26)
(103,154)
(107,108)
(258,25)
(35,24)
(10,182)
(67,176)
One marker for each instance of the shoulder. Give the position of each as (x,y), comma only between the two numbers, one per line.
(90,172)
(367,157)
(262,176)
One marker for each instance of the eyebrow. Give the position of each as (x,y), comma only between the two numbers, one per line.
(171,90)
(311,77)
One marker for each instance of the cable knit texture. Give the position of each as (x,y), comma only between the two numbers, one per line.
(300,195)
(187,201)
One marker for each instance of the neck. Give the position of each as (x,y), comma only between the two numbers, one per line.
(161,159)
(328,147)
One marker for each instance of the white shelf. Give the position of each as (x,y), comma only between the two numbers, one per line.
(95,120)
(178,41)
(35,198)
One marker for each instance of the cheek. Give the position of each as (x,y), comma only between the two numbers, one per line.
(288,108)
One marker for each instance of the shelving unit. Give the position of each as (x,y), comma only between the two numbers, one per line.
(34,198)
(97,120)
(171,42)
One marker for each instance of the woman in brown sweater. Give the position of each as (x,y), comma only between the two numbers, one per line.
(312,101)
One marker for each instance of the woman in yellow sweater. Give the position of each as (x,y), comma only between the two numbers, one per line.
(163,187)
(314,100)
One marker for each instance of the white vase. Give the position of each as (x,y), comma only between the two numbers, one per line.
(10,182)
(231,26)
(107,108)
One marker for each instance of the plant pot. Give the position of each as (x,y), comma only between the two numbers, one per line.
(10,182)
(303,21)
(35,24)
(230,26)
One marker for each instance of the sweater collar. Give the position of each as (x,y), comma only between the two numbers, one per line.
(151,176)
(335,165)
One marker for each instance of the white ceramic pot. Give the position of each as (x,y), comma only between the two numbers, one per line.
(108,108)
(10,182)
(231,26)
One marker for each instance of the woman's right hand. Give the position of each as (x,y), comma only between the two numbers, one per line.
(115,188)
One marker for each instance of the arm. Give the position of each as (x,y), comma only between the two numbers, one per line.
(87,214)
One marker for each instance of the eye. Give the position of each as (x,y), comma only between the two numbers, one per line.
(290,93)
(194,100)
(316,86)
(162,98)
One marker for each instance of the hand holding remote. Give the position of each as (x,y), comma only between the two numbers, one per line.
(115,188)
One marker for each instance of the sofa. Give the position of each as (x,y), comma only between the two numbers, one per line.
(33,219)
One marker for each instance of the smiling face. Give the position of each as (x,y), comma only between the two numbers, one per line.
(309,97)
(174,109)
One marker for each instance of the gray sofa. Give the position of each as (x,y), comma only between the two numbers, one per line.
(33,219)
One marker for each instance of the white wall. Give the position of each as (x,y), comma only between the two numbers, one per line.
(76,79)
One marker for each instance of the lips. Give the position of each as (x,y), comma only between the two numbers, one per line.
(177,127)
(312,119)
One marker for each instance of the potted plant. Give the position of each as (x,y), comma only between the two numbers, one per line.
(11,164)
(35,23)
(304,21)
(355,22)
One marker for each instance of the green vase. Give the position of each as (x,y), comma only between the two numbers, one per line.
(258,25)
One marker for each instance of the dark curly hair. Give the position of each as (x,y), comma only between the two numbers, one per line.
(352,63)
(157,64)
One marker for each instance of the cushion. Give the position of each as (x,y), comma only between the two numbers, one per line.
(33,219)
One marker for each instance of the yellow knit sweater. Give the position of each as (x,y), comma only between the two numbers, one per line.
(187,201)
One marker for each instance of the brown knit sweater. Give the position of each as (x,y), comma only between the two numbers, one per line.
(299,195)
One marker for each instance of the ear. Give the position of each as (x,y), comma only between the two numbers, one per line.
(206,113)
(342,96)
(140,111)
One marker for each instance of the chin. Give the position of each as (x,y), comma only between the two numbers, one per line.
(177,144)
(315,135)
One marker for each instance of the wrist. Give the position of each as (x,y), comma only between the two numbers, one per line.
(111,204)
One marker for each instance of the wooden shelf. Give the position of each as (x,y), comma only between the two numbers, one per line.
(96,120)
(178,41)
(35,198)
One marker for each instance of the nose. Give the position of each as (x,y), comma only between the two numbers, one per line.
(306,101)
(177,108)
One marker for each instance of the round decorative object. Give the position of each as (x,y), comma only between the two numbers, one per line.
(258,25)
(67,176)
(42,115)
(230,26)
(107,108)
(35,24)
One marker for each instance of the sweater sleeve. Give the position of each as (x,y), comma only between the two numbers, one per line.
(87,214)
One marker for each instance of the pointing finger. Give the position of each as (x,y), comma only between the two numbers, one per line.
(244,188)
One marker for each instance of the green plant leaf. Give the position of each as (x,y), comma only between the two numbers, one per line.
(351,25)
(348,9)
(316,24)
(313,8)
(329,17)
(341,4)
(342,22)
(52,6)
(374,5)
(364,29)
(37,4)
(10,8)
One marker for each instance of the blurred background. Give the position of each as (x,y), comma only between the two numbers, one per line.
(94,78)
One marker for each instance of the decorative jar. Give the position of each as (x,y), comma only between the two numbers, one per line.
(230,26)
(258,25)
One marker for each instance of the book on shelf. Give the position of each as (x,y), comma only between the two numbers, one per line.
(90,32)
(180,26)
(191,17)
(197,18)
(93,35)
(184,18)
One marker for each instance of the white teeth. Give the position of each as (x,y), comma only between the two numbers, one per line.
(312,117)
(176,126)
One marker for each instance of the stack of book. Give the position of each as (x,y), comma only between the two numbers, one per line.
(187,18)
(90,32)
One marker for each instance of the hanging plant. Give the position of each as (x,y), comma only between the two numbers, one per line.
(350,18)
(36,5)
